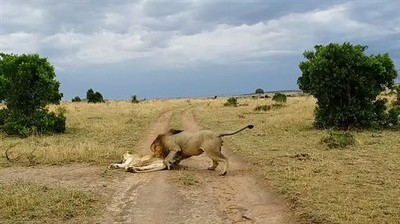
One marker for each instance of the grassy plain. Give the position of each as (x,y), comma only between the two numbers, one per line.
(97,134)
(357,184)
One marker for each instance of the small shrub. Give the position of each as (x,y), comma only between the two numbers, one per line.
(277,105)
(134,99)
(339,139)
(76,99)
(279,98)
(231,102)
(94,97)
(263,107)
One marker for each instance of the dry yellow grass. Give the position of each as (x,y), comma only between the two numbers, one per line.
(358,184)
(96,133)
(24,202)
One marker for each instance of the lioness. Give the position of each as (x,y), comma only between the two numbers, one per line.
(136,163)
(177,145)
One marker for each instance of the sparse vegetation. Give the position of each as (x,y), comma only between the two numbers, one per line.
(134,99)
(263,107)
(231,102)
(186,178)
(76,99)
(279,98)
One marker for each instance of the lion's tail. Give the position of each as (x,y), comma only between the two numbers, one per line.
(250,126)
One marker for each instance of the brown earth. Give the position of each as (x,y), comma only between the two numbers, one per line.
(159,197)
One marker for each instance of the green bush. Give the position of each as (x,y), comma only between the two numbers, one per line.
(279,98)
(76,99)
(4,114)
(231,102)
(41,122)
(94,97)
(346,83)
(339,139)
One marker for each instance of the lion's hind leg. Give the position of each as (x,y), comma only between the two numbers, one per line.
(216,156)
(214,165)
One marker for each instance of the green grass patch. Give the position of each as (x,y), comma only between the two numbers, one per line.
(340,139)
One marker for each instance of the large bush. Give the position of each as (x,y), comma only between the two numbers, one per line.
(346,83)
(27,85)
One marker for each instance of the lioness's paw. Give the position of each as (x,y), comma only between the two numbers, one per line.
(113,166)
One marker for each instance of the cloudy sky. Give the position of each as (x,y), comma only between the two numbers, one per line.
(156,49)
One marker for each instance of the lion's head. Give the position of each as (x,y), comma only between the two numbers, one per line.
(158,147)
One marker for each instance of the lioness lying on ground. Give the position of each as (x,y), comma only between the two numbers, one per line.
(177,145)
(136,163)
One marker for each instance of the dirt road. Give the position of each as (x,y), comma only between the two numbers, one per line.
(239,197)
(159,197)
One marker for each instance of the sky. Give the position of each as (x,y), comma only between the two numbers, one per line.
(162,49)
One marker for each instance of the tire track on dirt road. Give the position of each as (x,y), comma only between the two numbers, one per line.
(156,197)
(241,195)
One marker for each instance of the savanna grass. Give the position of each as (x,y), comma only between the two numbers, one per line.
(358,184)
(96,133)
(24,202)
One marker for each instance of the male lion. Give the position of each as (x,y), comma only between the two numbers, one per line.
(177,145)
(136,163)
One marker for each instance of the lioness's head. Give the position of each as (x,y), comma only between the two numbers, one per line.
(125,156)
(128,155)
